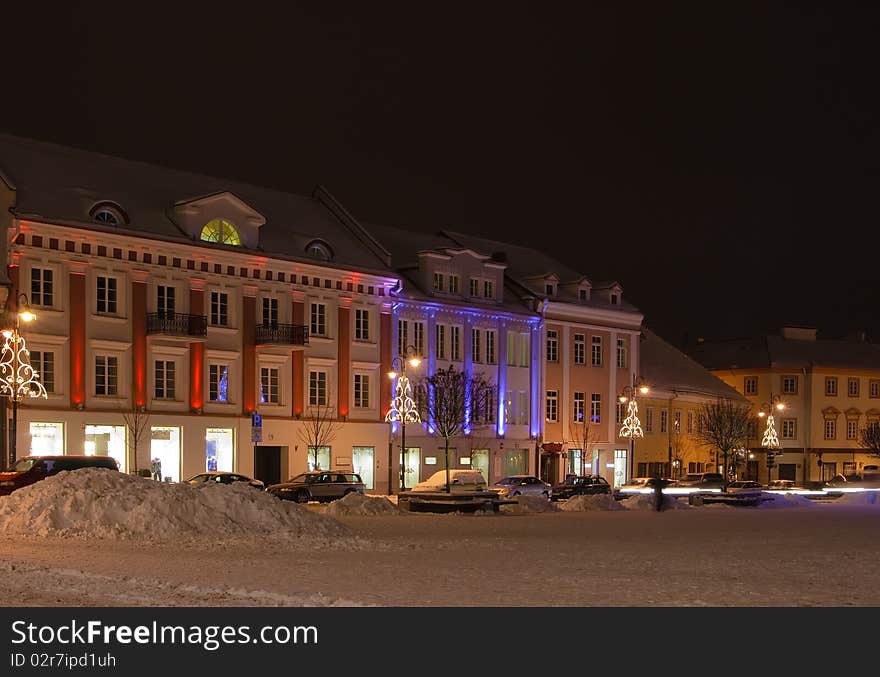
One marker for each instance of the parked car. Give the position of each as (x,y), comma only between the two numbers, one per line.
(318,485)
(784,485)
(641,485)
(521,485)
(32,469)
(745,487)
(460,479)
(220,477)
(577,485)
(702,480)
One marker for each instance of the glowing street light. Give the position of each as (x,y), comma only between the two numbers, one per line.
(631,426)
(770,439)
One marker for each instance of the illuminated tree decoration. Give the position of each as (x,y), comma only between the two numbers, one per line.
(17,377)
(770,439)
(403,407)
(632,427)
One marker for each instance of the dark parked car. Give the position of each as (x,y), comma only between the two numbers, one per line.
(584,484)
(702,480)
(318,486)
(220,477)
(32,469)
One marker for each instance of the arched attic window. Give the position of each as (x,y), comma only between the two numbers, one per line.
(318,249)
(222,232)
(108,214)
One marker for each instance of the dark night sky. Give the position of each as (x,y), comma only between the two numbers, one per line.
(720,162)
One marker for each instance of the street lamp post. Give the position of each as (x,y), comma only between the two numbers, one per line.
(632,427)
(770,439)
(18,379)
(403,408)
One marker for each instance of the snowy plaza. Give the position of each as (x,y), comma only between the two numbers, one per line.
(103,539)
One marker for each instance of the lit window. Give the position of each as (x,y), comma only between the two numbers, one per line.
(222,232)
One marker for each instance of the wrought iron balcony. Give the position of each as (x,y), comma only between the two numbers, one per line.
(177,324)
(283,334)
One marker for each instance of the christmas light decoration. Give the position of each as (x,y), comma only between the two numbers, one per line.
(632,427)
(770,439)
(18,379)
(403,407)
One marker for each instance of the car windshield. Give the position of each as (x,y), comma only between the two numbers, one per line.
(504,480)
(198,479)
(23,464)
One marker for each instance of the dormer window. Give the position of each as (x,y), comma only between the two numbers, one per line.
(453,284)
(488,289)
(615,299)
(318,249)
(582,295)
(550,289)
(222,232)
(108,214)
(438,282)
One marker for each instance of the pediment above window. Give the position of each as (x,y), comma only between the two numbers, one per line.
(222,218)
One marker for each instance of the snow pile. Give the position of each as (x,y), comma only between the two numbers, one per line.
(530,504)
(99,503)
(859,498)
(648,502)
(783,501)
(585,502)
(358,504)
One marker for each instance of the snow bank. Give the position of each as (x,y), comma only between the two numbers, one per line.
(530,504)
(583,503)
(357,504)
(783,501)
(647,502)
(99,503)
(860,498)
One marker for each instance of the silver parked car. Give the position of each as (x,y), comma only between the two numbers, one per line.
(318,485)
(522,485)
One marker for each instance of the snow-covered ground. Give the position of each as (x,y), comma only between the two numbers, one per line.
(229,546)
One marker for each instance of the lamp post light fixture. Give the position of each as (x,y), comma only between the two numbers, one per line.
(770,439)
(403,407)
(18,379)
(632,427)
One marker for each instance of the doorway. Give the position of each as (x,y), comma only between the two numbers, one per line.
(267,464)
(788,471)
(550,467)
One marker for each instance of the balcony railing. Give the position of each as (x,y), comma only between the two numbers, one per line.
(177,324)
(284,334)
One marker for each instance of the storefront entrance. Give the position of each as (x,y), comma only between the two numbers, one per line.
(267,464)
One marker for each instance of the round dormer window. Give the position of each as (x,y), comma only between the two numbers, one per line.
(222,232)
(108,214)
(318,249)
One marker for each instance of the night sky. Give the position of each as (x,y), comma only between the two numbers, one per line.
(721,163)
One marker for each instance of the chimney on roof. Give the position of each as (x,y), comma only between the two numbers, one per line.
(799,333)
(501,257)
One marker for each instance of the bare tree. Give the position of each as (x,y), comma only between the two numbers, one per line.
(869,438)
(583,436)
(683,448)
(137,424)
(725,428)
(452,398)
(319,427)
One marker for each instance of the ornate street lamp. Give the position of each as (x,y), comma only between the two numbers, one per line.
(770,439)
(18,379)
(403,407)
(632,427)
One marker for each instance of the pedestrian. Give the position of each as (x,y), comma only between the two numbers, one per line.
(658,493)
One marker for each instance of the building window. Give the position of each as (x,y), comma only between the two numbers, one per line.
(361,324)
(43,364)
(453,284)
(523,408)
(552,410)
(165,301)
(106,375)
(218,382)
(219,309)
(852,387)
(47,439)
(664,421)
(222,232)
(269,385)
(690,423)
(621,353)
(621,412)
(164,385)
(488,289)
(614,299)
(455,343)
(552,346)
(579,349)
(789,385)
(750,385)
(107,215)
(579,407)
(318,320)
(582,295)
(270,312)
(362,391)
(549,290)
(874,388)
(419,338)
(106,287)
(595,408)
(649,420)
(402,337)
(475,345)
(830,429)
(789,428)
(438,282)
(525,352)
(42,287)
(511,349)
(852,429)
(318,388)
(831,386)
(490,346)
(596,354)
(317,249)
(440,341)
(676,420)
(475,287)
